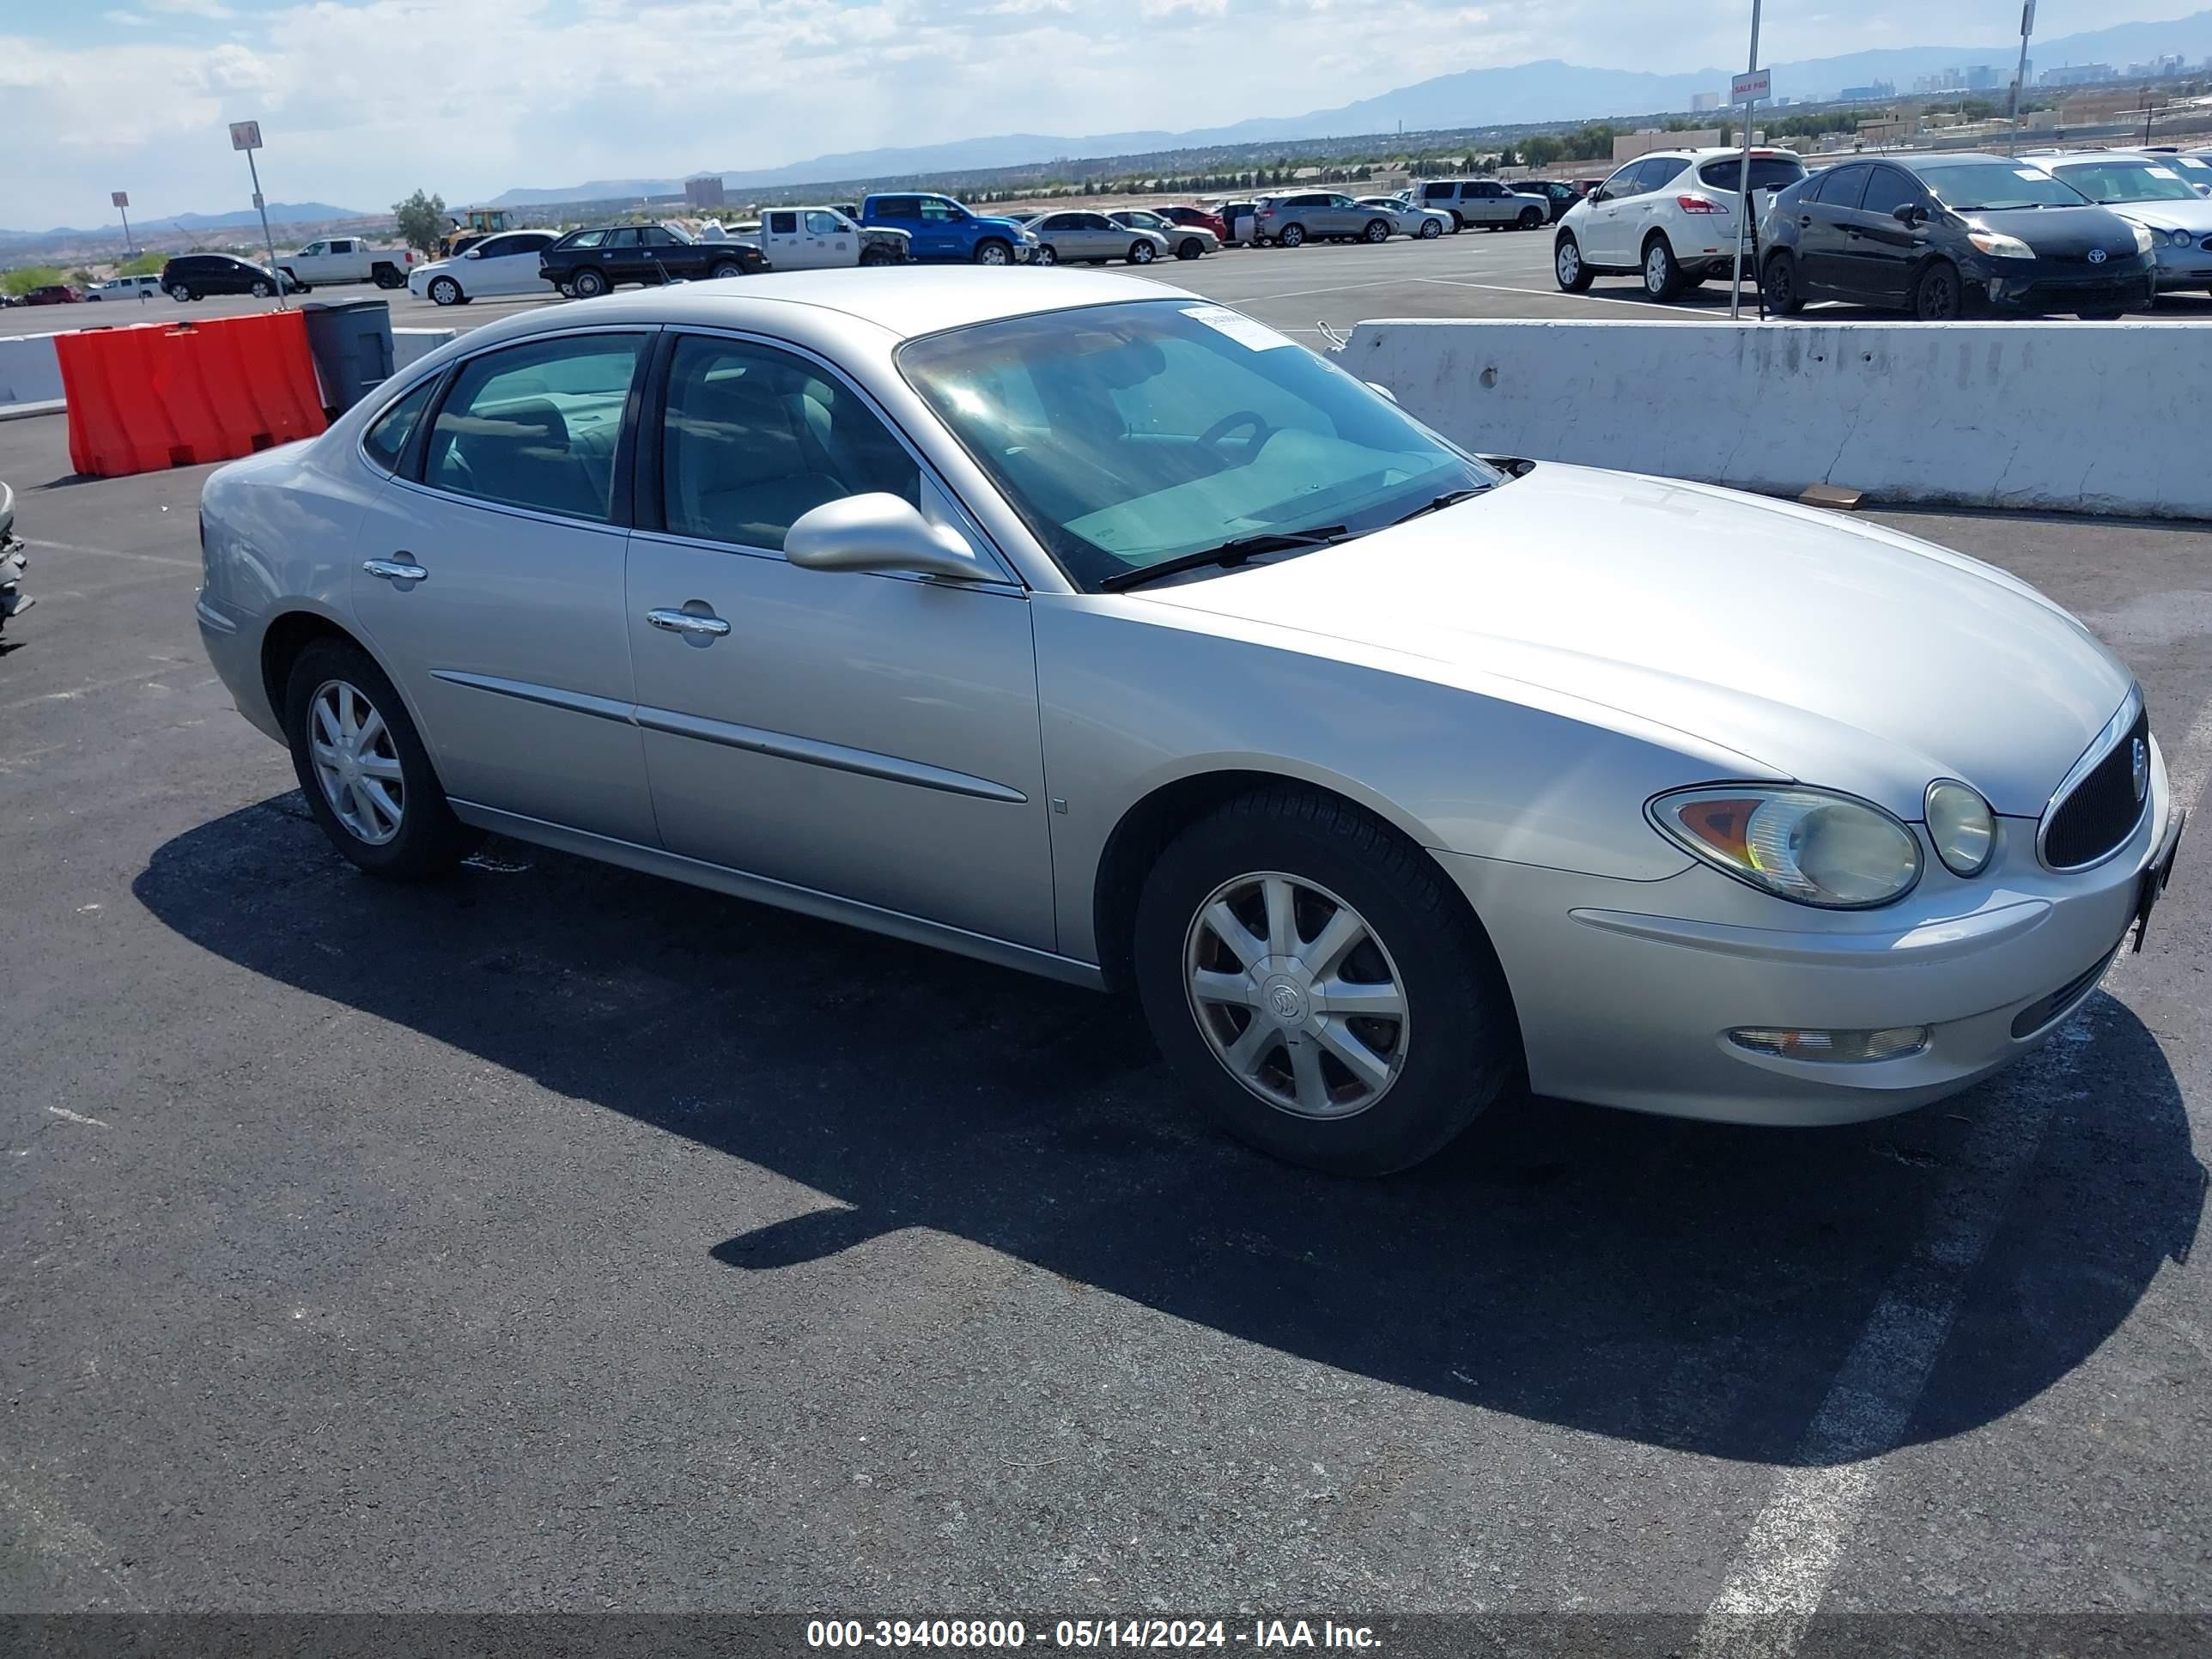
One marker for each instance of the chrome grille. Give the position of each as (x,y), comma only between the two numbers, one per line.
(2102,809)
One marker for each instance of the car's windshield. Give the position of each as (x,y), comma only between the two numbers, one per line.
(1996,186)
(2127,181)
(1128,434)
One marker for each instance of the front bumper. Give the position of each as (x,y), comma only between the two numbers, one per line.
(1626,990)
(2184,268)
(2031,295)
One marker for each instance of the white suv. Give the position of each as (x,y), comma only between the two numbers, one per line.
(1669,216)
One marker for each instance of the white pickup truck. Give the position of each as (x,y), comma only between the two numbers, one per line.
(347,259)
(817,238)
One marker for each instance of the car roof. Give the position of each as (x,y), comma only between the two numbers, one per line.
(904,302)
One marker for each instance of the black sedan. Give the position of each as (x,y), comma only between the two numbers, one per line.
(1561,196)
(1951,235)
(589,262)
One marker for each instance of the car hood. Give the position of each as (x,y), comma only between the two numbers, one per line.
(2195,217)
(1831,650)
(2060,232)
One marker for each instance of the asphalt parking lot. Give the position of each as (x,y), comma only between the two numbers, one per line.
(1474,274)
(555,1238)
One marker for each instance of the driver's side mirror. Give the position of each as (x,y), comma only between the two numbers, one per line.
(884,533)
(1908,213)
(473,253)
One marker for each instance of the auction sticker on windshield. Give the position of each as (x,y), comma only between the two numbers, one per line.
(1237,327)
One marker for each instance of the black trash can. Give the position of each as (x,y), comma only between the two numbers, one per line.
(351,343)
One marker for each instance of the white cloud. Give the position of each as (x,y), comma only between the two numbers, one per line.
(363,100)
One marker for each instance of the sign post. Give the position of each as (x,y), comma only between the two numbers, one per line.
(1744,92)
(2020,74)
(247,135)
(120,199)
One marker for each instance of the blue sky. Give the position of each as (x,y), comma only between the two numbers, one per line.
(363,100)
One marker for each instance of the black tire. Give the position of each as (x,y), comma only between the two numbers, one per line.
(445,291)
(260,290)
(1464,1040)
(589,283)
(2103,314)
(1189,248)
(180,293)
(1377,231)
(1568,270)
(1662,278)
(1458,223)
(1431,230)
(430,841)
(726,268)
(1936,297)
(1777,284)
(877,256)
(1291,236)
(1047,254)
(995,251)
(387,277)
(1142,254)
(1532,218)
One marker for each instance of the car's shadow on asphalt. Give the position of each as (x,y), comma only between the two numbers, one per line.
(1683,1284)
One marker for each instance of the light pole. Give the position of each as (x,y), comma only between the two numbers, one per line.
(1750,87)
(2020,74)
(247,135)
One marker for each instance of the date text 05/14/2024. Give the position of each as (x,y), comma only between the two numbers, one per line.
(996,1635)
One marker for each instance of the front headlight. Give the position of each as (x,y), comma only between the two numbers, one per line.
(1997,244)
(1962,827)
(1807,846)
(2144,240)
(2180,237)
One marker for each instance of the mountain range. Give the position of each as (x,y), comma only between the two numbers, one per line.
(280,213)
(1524,94)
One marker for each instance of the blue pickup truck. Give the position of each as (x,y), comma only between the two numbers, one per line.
(940,229)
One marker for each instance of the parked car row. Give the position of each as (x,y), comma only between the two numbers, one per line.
(2088,234)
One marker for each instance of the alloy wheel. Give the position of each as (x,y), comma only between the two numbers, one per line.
(1296,995)
(1569,261)
(357,763)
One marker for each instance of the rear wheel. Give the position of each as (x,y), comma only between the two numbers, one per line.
(1319,984)
(1047,254)
(1567,266)
(180,293)
(589,283)
(367,777)
(1777,284)
(1292,236)
(2102,314)
(1532,218)
(1189,248)
(1935,297)
(1662,278)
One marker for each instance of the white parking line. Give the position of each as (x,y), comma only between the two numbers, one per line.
(1779,1575)
(113,553)
(1556,294)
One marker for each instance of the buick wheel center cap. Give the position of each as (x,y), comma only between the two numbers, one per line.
(1284,1001)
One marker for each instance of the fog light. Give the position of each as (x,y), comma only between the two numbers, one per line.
(1837,1047)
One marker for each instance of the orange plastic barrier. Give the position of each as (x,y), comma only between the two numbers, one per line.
(155,395)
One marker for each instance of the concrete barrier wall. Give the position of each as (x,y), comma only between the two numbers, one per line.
(408,344)
(30,372)
(2063,416)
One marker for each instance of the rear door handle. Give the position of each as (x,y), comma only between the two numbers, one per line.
(689,622)
(399,567)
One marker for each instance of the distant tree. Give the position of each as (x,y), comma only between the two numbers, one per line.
(27,277)
(146,265)
(1540,150)
(82,277)
(1507,158)
(422,220)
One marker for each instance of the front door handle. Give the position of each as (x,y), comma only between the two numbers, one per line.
(689,622)
(399,567)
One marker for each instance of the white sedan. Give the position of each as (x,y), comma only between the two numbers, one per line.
(500,265)
(1406,219)
(1089,628)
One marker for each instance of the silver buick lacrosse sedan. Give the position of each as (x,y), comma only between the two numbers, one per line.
(1083,625)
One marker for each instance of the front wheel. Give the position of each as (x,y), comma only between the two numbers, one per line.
(1777,284)
(1378,230)
(589,283)
(726,268)
(445,291)
(877,256)
(1142,254)
(261,291)
(1320,985)
(1936,295)
(1430,229)
(1573,276)
(994,252)
(362,767)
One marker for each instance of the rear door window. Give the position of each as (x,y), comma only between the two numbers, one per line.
(1843,186)
(783,224)
(536,426)
(386,440)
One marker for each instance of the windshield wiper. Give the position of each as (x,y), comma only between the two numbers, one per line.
(1229,555)
(1449,498)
